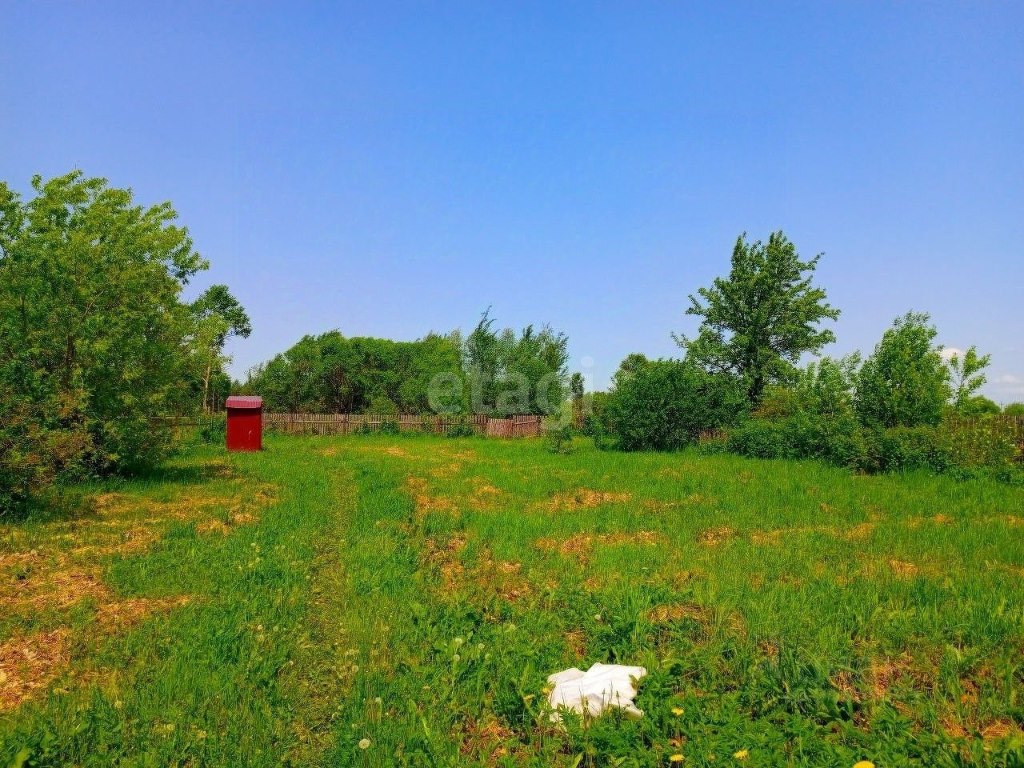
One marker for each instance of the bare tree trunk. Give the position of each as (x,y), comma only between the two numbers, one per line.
(206,387)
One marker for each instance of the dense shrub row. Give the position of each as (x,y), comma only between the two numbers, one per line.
(986,445)
(904,408)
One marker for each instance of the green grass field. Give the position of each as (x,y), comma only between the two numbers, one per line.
(388,601)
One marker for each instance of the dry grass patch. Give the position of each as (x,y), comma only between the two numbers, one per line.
(426,502)
(920,520)
(235,518)
(501,577)
(485,495)
(859,532)
(124,614)
(843,682)
(885,672)
(585,498)
(486,737)
(903,568)
(49,583)
(672,612)
(241,504)
(998,730)
(28,664)
(116,539)
(64,567)
(712,537)
(582,544)
(448,470)
(576,642)
(486,577)
(446,557)
(769,538)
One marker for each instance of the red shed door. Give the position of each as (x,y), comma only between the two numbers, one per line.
(245,424)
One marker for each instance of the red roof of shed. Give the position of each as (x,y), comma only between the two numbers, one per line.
(243,401)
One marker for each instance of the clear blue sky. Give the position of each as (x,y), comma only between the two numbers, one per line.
(388,169)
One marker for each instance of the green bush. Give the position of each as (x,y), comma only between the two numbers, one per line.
(760,439)
(977,407)
(214,429)
(595,404)
(966,449)
(667,404)
(900,449)
(96,338)
(462,429)
(558,438)
(801,436)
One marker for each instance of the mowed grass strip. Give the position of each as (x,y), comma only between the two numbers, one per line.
(189,644)
(401,600)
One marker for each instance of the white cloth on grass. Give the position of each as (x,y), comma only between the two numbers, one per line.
(600,688)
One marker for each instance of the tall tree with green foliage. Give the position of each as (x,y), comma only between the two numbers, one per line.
(511,373)
(905,382)
(967,378)
(630,365)
(759,320)
(218,317)
(94,339)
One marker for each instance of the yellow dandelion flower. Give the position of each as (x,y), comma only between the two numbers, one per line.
(864,764)
(677,758)
(743,754)
(677,711)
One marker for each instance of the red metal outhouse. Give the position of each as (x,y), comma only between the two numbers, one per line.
(245,423)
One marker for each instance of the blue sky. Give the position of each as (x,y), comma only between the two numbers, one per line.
(393,168)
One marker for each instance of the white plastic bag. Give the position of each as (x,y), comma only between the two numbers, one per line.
(591,693)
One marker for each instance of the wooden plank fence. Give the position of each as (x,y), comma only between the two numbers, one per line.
(1003,426)
(515,426)
(1012,425)
(349,423)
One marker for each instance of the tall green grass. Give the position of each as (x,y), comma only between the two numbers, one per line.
(405,598)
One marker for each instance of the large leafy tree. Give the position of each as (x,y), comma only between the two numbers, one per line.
(905,382)
(759,320)
(510,373)
(93,335)
(218,317)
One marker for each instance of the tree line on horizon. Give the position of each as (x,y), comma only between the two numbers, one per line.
(97,343)
(901,407)
(491,371)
